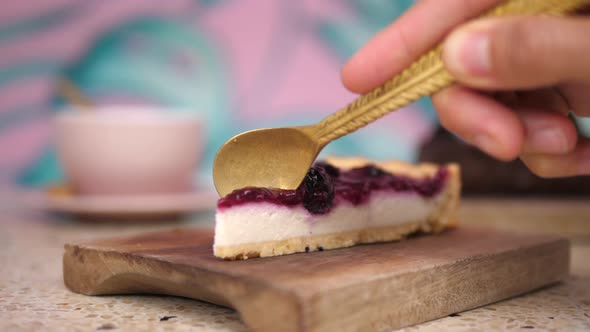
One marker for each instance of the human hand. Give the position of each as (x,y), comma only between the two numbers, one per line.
(517,79)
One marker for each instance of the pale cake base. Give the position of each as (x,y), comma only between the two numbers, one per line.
(442,217)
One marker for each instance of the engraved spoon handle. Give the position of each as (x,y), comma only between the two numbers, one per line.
(424,77)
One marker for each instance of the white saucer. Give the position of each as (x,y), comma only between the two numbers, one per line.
(125,206)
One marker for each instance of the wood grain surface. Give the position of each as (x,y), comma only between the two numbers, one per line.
(364,288)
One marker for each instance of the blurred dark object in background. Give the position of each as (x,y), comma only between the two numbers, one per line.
(485,175)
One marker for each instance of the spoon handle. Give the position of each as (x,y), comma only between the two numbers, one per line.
(424,77)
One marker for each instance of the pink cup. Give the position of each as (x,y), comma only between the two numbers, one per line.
(123,150)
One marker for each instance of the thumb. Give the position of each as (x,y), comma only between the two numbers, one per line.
(519,52)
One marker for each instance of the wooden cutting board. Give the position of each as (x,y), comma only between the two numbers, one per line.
(364,288)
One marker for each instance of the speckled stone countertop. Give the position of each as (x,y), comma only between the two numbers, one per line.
(33,297)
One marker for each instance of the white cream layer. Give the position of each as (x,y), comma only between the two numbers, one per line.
(261,222)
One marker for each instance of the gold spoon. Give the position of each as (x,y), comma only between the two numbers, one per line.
(69,91)
(281,157)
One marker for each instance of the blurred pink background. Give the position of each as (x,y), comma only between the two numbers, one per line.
(243,64)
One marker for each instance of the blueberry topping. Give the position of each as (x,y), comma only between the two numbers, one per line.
(324,182)
(248,194)
(319,191)
(290,197)
(353,192)
(374,172)
(331,170)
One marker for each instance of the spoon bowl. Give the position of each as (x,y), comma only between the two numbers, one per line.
(271,158)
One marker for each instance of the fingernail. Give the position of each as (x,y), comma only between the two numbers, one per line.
(485,143)
(467,53)
(547,140)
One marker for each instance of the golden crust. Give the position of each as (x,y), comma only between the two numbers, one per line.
(447,214)
(443,216)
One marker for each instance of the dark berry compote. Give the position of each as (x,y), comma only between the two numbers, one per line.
(324,182)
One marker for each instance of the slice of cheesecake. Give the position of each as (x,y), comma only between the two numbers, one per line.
(342,202)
